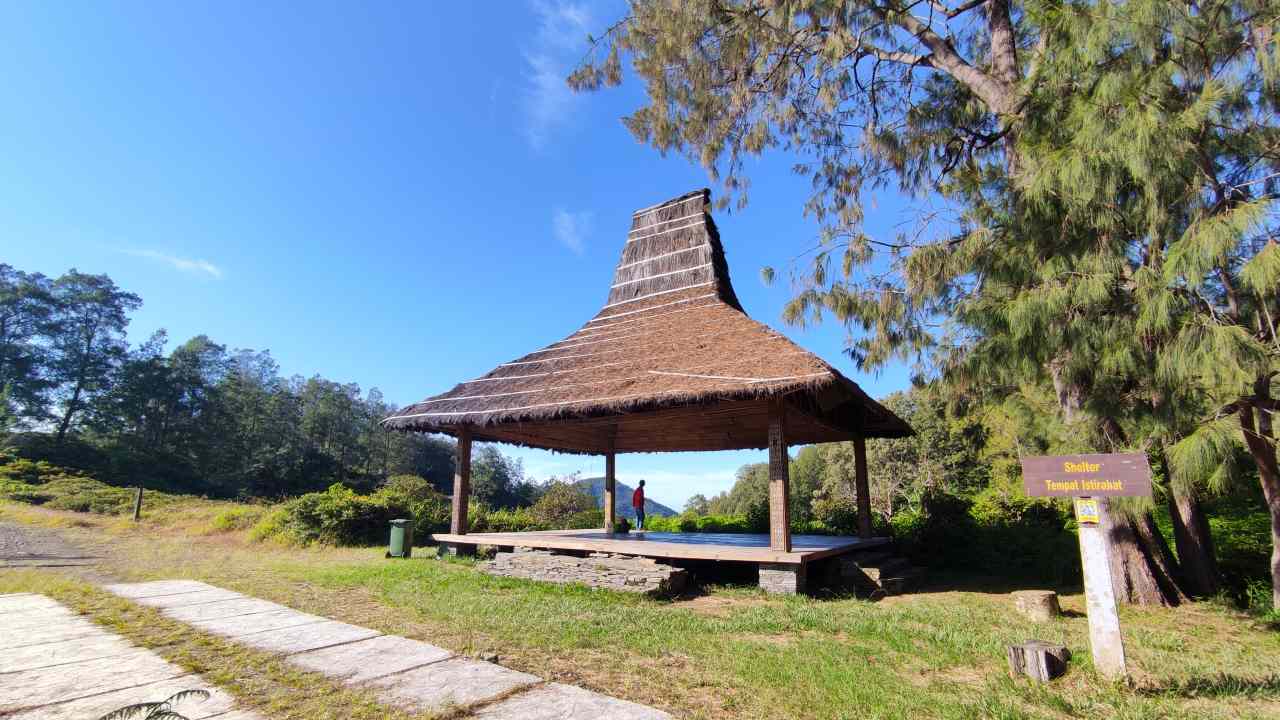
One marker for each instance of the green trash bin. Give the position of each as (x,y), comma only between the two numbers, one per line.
(401,539)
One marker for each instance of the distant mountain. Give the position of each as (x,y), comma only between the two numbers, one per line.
(622,500)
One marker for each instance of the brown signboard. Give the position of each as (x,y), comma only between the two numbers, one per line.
(1108,475)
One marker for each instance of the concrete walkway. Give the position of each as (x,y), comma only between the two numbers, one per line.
(55,664)
(404,673)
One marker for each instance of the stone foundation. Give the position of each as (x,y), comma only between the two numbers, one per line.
(455,550)
(603,570)
(782,579)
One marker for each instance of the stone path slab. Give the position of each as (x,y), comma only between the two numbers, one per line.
(60,665)
(370,659)
(219,705)
(56,630)
(223,608)
(451,683)
(158,587)
(404,673)
(248,624)
(311,636)
(87,677)
(554,701)
(43,655)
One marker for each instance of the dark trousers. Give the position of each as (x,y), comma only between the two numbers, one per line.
(640,518)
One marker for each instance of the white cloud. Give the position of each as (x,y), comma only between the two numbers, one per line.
(557,44)
(572,228)
(182,264)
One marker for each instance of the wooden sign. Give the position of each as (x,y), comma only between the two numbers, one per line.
(1090,479)
(1108,475)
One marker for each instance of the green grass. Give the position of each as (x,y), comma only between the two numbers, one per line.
(733,652)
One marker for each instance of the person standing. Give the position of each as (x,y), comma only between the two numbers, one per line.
(637,503)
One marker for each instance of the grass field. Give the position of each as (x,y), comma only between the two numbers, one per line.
(728,653)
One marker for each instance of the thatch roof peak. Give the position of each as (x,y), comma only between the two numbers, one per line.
(671,347)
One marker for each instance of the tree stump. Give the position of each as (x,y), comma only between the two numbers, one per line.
(1038,659)
(1038,605)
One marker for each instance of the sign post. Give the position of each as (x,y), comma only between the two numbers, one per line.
(1088,479)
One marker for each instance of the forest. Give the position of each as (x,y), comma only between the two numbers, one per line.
(198,417)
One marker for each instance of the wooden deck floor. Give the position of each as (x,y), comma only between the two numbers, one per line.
(733,547)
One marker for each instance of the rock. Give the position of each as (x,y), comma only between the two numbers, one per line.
(1038,659)
(1037,605)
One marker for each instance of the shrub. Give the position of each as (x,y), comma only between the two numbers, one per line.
(405,490)
(722,524)
(337,516)
(506,520)
(839,514)
(272,526)
(431,514)
(563,504)
(237,518)
(584,520)
(28,471)
(658,523)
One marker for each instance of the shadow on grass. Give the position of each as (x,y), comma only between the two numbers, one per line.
(1221,685)
(937,581)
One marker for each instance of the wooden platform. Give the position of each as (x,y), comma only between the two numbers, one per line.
(728,547)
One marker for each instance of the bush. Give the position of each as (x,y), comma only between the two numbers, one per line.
(272,526)
(564,505)
(27,471)
(1258,598)
(337,516)
(432,514)
(838,514)
(506,520)
(405,490)
(237,518)
(995,533)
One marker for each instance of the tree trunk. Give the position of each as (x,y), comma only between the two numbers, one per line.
(1135,574)
(1142,569)
(1164,567)
(1263,450)
(70,412)
(1194,543)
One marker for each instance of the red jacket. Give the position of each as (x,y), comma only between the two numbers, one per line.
(637,499)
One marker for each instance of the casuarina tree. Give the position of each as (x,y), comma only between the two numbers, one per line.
(1001,280)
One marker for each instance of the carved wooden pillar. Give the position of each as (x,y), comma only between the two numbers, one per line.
(862,486)
(779,479)
(461,483)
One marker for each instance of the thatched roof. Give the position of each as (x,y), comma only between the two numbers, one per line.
(671,362)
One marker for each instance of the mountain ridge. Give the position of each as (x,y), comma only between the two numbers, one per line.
(622,499)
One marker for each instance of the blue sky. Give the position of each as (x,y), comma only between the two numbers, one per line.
(401,195)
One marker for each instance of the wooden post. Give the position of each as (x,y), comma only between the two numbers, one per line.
(461,483)
(1099,593)
(779,479)
(610,486)
(862,486)
(137,505)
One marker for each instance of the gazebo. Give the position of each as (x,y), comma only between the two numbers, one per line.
(670,363)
